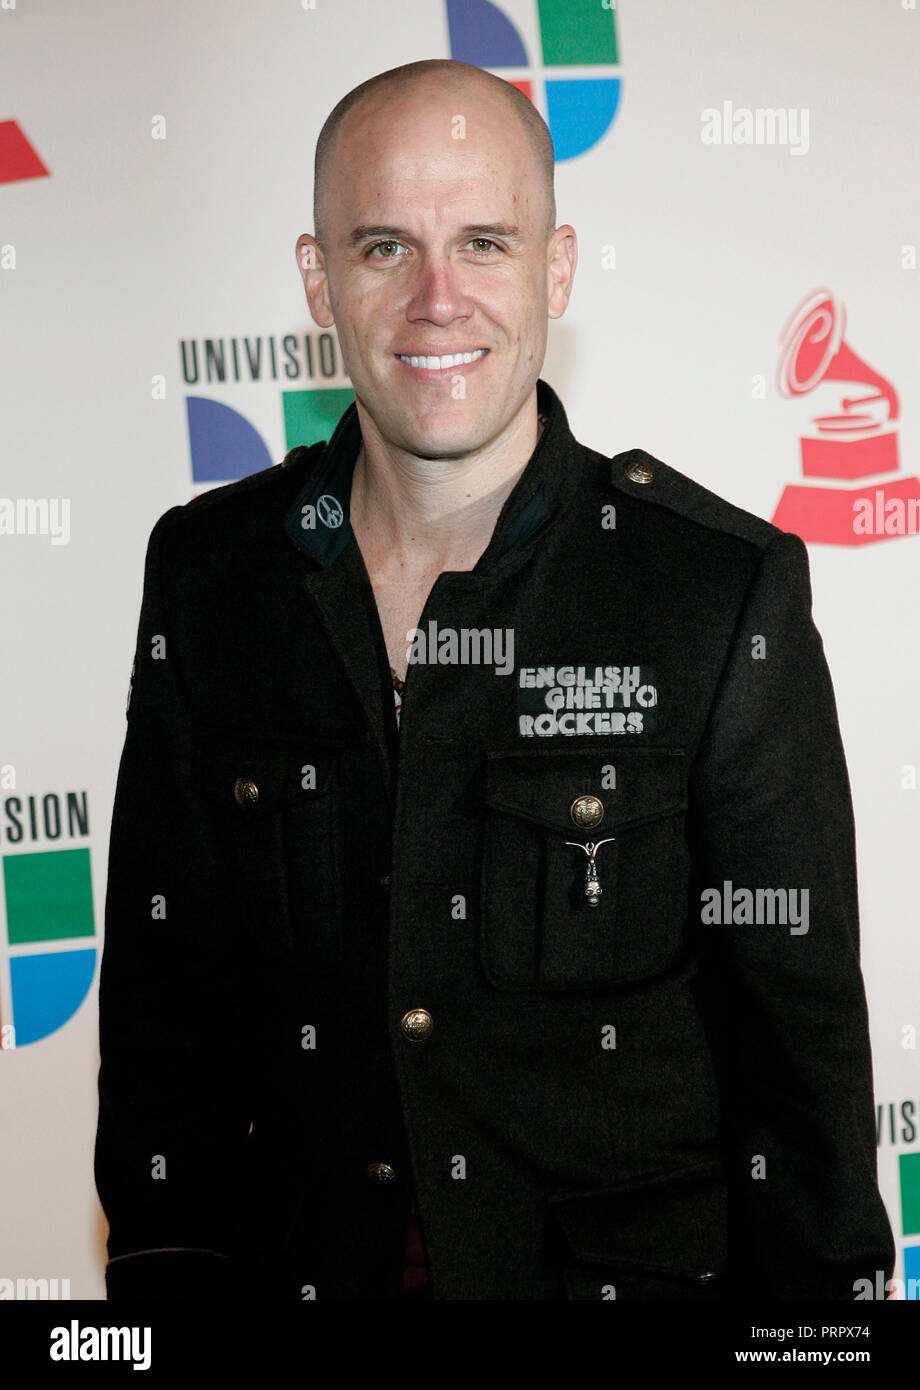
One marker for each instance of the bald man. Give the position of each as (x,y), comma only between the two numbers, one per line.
(481,916)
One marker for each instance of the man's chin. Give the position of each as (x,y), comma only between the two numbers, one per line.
(442,446)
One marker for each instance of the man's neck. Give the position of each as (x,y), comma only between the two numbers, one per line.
(421,515)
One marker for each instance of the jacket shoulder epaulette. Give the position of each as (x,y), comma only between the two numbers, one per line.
(645,477)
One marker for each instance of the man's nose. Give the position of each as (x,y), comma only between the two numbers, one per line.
(438,294)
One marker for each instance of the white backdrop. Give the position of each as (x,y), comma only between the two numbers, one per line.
(692,258)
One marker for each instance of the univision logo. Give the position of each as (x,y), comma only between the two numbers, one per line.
(47,961)
(572,34)
(223,444)
(896,1123)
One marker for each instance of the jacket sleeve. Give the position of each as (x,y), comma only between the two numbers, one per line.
(784,1003)
(173,1084)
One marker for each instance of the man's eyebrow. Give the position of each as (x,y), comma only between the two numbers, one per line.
(506,230)
(364,232)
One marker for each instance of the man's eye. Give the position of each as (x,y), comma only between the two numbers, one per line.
(482,241)
(390,250)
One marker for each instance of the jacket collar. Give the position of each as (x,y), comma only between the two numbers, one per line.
(318,520)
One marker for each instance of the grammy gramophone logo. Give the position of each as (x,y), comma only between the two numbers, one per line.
(853,490)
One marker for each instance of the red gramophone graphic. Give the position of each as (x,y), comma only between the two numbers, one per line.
(855,441)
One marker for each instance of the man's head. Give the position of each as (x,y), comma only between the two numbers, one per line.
(434,216)
(459,78)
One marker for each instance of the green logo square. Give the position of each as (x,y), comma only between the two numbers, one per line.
(310,416)
(909,1165)
(49,895)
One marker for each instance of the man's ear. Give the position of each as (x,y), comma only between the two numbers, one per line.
(312,268)
(561,260)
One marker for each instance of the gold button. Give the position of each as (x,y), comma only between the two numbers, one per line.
(245,791)
(381,1172)
(417,1024)
(384,881)
(587,811)
(639,472)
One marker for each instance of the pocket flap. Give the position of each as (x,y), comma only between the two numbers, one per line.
(257,774)
(675,1224)
(541,785)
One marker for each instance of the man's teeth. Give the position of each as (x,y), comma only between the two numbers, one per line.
(434,364)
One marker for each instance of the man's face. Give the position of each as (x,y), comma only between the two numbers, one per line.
(436,244)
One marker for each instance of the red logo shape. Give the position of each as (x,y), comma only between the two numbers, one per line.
(18,160)
(850,440)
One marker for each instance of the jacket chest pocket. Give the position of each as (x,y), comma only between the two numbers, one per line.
(276,805)
(584,866)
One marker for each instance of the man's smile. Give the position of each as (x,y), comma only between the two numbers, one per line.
(448,361)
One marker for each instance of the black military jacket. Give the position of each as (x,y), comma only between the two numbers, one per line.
(347,962)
